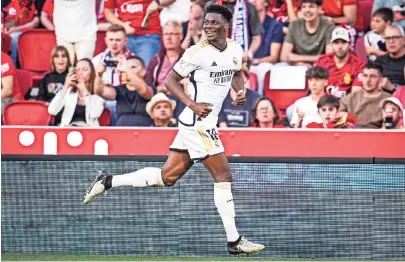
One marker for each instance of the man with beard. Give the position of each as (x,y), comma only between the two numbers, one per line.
(365,104)
(344,67)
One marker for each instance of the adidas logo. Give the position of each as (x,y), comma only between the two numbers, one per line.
(214,64)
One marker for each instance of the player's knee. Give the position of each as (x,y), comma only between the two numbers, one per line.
(169,181)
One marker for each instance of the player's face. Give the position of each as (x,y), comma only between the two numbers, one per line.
(162,111)
(394,40)
(378,24)
(172,37)
(265,112)
(371,78)
(115,42)
(136,67)
(83,71)
(327,113)
(340,48)
(60,62)
(310,11)
(214,26)
(317,85)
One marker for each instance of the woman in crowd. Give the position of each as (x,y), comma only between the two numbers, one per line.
(81,107)
(53,81)
(265,114)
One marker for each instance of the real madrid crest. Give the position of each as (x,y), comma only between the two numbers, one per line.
(347,79)
(235,61)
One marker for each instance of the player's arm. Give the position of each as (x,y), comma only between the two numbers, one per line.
(238,84)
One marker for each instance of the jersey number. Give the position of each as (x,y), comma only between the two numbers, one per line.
(212,133)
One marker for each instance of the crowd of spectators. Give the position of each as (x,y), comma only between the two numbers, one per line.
(144,40)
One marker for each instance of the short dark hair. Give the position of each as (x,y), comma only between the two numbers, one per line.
(220,9)
(137,58)
(317,72)
(373,65)
(385,13)
(317,2)
(328,100)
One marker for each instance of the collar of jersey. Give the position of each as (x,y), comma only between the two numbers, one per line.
(214,46)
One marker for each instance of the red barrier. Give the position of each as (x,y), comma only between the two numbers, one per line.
(243,142)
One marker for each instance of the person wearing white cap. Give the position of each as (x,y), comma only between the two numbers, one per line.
(344,67)
(392,112)
(160,108)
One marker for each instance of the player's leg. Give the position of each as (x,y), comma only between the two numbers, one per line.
(177,164)
(218,166)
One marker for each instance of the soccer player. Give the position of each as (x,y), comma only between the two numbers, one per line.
(213,65)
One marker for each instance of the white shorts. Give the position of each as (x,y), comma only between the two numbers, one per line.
(199,141)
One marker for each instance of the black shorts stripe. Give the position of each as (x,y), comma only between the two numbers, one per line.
(178,150)
(200,158)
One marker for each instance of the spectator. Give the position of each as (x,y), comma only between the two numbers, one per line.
(268,53)
(164,61)
(54,81)
(192,30)
(310,36)
(265,114)
(392,112)
(160,108)
(328,106)
(21,15)
(393,63)
(305,109)
(364,105)
(246,19)
(374,40)
(284,11)
(102,23)
(143,41)
(392,4)
(115,40)
(344,67)
(131,97)
(175,10)
(10,90)
(400,94)
(344,12)
(47,15)
(76,27)
(81,107)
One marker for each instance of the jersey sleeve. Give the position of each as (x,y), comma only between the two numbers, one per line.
(187,63)
(110,4)
(7,65)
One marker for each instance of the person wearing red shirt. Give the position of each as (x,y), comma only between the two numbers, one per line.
(10,90)
(344,67)
(47,15)
(21,15)
(143,38)
(344,12)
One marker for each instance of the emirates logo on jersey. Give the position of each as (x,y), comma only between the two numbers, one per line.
(131,8)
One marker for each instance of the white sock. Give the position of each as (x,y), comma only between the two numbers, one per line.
(226,209)
(145,177)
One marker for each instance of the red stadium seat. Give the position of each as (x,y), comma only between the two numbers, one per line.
(25,80)
(100,44)
(282,98)
(35,48)
(28,113)
(105,118)
(361,49)
(253,83)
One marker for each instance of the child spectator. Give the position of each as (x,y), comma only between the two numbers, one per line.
(305,109)
(54,81)
(81,107)
(392,113)
(374,40)
(21,15)
(265,114)
(328,106)
(10,90)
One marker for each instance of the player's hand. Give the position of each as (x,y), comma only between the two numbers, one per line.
(240,99)
(202,109)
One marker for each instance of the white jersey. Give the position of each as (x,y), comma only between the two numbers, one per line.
(211,71)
